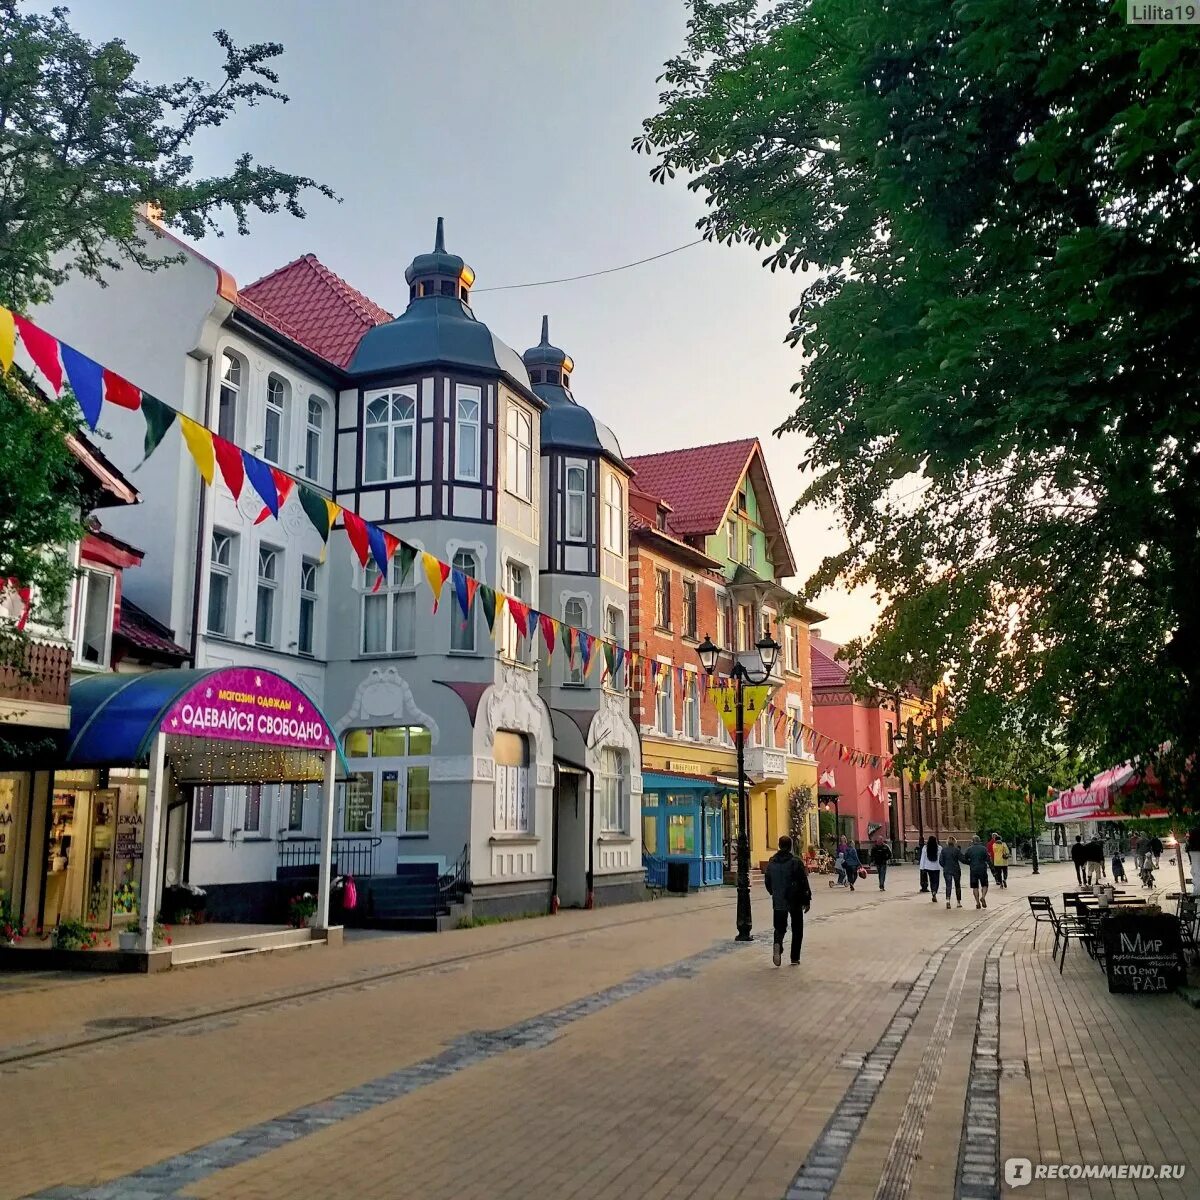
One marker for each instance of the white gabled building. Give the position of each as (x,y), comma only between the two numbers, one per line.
(430,426)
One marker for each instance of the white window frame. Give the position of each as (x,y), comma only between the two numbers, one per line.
(517,578)
(229,394)
(664,701)
(574,674)
(614,516)
(227,571)
(391,425)
(83,587)
(314,432)
(662,598)
(392,595)
(467,562)
(310,597)
(512,801)
(376,768)
(575,503)
(278,401)
(791,646)
(467,467)
(614,630)
(614,791)
(795,741)
(691,708)
(518,459)
(731,539)
(215,830)
(267,586)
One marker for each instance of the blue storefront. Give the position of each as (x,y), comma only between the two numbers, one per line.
(682,821)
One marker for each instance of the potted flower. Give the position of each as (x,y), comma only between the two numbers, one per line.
(73,935)
(301,909)
(183,903)
(11,930)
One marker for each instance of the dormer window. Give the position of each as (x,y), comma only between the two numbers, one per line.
(552,376)
(448,287)
(576,501)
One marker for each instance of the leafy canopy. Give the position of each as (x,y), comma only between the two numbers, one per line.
(995,213)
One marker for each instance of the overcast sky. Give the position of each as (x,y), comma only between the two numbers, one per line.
(512,119)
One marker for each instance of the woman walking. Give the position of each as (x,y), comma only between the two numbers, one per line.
(950,860)
(930,867)
(851,862)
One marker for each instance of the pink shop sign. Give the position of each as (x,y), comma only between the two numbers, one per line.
(246,705)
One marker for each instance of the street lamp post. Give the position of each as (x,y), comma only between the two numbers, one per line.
(899,742)
(1033,854)
(768,654)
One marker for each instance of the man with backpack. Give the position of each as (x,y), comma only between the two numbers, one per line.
(881,855)
(787,883)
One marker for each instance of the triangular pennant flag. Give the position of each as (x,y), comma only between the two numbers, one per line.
(8,339)
(391,544)
(458,581)
(472,588)
(610,656)
(283,489)
(379,552)
(569,636)
(159,419)
(121,392)
(229,459)
(436,573)
(520,615)
(493,602)
(618,660)
(261,480)
(655,668)
(407,556)
(587,644)
(199,442)
(549,627)
(42,348)
(314,504)
(356,531)
(86,379)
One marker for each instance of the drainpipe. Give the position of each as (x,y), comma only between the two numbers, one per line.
(201,513)
(554,843)
(590,902)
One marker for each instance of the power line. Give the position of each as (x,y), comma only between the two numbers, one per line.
(508,287)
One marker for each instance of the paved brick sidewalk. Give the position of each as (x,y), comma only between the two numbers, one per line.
(623,1053)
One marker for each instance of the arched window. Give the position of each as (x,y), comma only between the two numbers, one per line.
(614,790)
(227,398)
(510,752)
(575,613)
(614,516)
(314,428)
(462,632)
(519,474)
(576,501)
(466,432)
(389,439)
(275,423)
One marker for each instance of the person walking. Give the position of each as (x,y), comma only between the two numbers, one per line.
(791,895)
(1094,857)
(976,858)
(1000,857)
(1077,857)
(1193,851)
(1118,867)
(852,863)
(950,861)
(1142,846)
(840,861)
(992,858)
(930,867)
(1156,848)
(881,855)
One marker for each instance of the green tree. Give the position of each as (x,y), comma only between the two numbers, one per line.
(83,142)
(996,218)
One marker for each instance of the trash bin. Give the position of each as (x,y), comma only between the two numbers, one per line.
(677,878)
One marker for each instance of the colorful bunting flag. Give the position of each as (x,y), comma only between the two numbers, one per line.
(610,658)
(229,459)
(121,392)
(458,581)
(408,555)
(43,349)
(356,531)
(199,442)
(86,379)
(283,489)
(520,616)
(379,552)
(436,572)
(159,418)
(493,602)
(570,635)
(261,480)
(587,644)
(549,626)
(321,512)
(8,339)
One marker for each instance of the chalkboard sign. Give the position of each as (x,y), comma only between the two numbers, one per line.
(1143,954)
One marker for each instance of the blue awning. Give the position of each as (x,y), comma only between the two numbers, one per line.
(667,781)
(115,718)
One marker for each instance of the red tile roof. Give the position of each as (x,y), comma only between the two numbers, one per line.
(140,629)
(827,670)
(698,482)
(307,302)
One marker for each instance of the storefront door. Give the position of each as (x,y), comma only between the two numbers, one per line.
(14,824)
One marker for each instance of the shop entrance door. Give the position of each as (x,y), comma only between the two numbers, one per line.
(79,856)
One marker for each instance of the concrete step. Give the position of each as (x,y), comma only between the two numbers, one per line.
(239,945)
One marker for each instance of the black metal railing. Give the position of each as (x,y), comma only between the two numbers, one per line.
(351,855)
(454,885)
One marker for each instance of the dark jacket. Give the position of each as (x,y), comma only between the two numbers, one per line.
(1156,847)
(787,882)
(1093,852)
(850,858)
(950,860)
(1193,842)
(881,854)
(976,857)
(1078,850)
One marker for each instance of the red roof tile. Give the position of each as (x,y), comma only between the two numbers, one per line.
(827,670)
(140,629)
(307,302)
(697,482)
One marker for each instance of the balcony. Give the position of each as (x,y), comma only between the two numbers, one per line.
(38,692)
(764,765)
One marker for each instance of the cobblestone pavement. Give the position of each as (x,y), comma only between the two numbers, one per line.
(627,1052)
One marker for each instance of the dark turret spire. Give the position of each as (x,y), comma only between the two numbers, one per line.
(439,273)
(548,364)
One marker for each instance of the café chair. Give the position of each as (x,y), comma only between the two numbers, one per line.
(1043,914)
